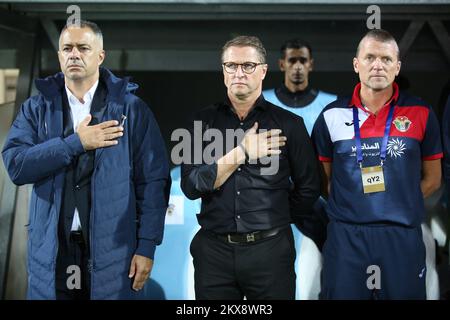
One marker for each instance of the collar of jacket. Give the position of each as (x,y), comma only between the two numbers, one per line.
(51,86)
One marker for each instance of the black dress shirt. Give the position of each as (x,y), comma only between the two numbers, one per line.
(249,200)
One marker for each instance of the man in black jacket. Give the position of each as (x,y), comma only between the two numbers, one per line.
(257,176)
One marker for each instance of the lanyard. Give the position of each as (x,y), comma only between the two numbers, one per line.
(387,129)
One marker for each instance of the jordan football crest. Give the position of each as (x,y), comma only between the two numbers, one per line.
(402,123)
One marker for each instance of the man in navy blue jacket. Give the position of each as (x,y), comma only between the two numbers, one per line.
(95,155)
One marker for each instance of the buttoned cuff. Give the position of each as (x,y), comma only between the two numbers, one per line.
(207,175)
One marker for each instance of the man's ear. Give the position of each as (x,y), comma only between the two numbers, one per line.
(60,57)
(311,65)
(399,65)
(281,65)
(264,68)
(102,56)
(355,65)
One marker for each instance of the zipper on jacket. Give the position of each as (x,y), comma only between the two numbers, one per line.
(89,265)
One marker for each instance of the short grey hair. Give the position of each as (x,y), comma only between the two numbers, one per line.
(85,24)
(247,41)
(381,36)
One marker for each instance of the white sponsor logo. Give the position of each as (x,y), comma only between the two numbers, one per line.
(365,146)
(396,148)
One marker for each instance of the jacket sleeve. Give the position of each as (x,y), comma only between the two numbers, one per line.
(197,176)
(28,154)
(151,179)
(198,179)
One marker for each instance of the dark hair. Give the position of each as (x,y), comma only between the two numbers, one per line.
(381,36)
(295,44)
(85,24)
(247,41)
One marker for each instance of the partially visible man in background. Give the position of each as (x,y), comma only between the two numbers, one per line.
(297,95)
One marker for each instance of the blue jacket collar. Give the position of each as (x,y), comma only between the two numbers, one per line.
(51,86)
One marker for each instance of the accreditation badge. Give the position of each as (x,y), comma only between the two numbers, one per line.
(373,179)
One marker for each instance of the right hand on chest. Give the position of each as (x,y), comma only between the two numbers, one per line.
(101,135)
